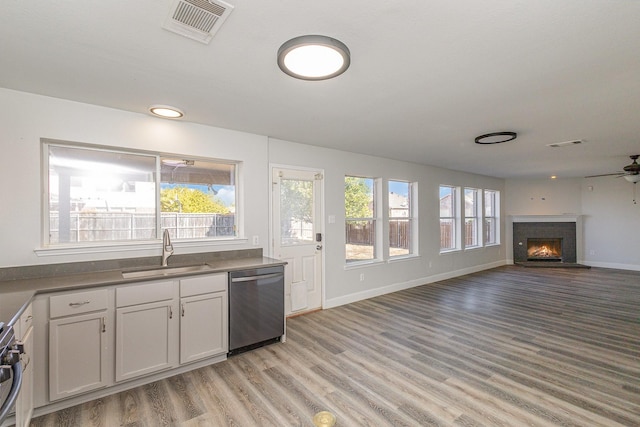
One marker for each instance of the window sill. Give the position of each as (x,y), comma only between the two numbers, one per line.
(120,247)
(360,264)
(449,251)
(403,258)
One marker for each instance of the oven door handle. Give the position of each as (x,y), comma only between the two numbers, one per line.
(8,404)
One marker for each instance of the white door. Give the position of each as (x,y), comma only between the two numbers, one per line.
(298,237)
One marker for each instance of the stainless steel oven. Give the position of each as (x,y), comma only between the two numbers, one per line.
(10,371)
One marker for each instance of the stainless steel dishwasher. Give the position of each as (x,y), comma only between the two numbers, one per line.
(256,308)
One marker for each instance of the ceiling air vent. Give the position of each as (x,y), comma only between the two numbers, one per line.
(564,144)
(197,19)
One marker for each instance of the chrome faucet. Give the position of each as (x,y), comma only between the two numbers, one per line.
(167,248)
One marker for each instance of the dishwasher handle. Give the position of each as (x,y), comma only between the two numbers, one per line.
(252,278)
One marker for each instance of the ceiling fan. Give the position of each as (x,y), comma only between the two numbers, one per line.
(631,172)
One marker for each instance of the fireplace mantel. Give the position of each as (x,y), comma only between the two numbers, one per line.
(546,218)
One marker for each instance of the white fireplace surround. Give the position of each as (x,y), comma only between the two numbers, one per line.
(577,219)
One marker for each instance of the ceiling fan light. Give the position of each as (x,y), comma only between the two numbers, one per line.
(633,178)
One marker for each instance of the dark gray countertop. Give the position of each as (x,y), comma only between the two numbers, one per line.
(16,294)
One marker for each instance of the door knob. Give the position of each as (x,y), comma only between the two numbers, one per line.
(319,247)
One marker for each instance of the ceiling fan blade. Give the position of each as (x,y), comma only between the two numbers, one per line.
(619,174)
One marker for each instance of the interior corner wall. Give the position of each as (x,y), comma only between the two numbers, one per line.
(610,218)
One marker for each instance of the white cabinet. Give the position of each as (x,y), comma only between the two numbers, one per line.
(147,329)
(203,317)
(24,405)
(79,350)
(109,336)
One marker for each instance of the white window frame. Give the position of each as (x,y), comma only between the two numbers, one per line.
(474,215)
(455,218)
(128,245)
(493,204)
(412,217)
(376,221)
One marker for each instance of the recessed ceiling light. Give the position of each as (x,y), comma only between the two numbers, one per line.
(166,111)
(314,57)
(496,137)
(553,177)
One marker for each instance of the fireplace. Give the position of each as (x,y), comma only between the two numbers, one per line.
(545,241)
(544,249)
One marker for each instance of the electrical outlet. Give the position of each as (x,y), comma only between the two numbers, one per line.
(256,240)
(361,277)
(430,264)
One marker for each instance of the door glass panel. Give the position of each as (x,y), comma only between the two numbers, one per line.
(296,211)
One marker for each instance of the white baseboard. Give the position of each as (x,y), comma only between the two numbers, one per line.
(395,287)
(617,266)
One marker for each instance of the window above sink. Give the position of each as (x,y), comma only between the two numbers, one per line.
(98,196)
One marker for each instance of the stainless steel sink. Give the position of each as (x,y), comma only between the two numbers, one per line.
(165,271)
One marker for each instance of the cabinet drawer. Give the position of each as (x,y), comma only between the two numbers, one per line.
(203,285)
(77,303)
(141,294)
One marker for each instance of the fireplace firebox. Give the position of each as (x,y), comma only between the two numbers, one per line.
(544,249)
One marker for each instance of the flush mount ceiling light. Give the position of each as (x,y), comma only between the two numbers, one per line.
(314,57)
(496,137)
(166,111)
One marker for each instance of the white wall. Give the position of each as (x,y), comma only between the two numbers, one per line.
(343,283)
(26,118)
(611,220)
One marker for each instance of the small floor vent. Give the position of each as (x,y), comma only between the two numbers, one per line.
(197,19)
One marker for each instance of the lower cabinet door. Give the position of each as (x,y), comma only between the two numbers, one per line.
(78,357)
(203,326)
(146,339)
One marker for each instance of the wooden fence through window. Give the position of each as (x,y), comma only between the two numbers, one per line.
(123,226)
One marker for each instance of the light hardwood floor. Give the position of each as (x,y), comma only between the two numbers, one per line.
(511,346)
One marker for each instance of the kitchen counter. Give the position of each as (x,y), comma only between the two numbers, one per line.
(17,293)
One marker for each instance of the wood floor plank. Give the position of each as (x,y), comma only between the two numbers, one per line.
(510,346)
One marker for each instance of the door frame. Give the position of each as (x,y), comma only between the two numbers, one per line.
(271,243)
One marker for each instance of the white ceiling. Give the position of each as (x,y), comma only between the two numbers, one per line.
(426,76)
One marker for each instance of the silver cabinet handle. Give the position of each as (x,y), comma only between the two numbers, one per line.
(28,319)
(182,309)
(77,304)
(170,313)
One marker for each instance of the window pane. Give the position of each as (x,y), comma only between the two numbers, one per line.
(399,237)
(358,197)
(446,202)
(490,231)
(197,198)
(296,211)
(99,196)
(400,224)
(471,232)
(491,213)
(470,202)
(447,234)
(489,203)
(361,238)
(360,224)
